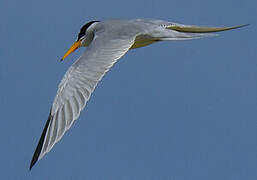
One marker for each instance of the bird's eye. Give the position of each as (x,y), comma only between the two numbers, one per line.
(84,28)
(81,35)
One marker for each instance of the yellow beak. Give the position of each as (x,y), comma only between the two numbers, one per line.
(75,46)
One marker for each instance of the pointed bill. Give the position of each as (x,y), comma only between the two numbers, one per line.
(197,29)
(75,46)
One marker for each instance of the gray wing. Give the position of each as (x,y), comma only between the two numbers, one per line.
(188,28)
(77,85)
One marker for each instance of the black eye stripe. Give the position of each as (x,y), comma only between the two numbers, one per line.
(84,29)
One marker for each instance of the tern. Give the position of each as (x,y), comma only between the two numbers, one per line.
(106,42)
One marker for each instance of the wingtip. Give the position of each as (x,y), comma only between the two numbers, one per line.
(32,163)
(244,25)
(240,26)
(40,144)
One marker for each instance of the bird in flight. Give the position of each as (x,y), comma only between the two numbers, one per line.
(106,42)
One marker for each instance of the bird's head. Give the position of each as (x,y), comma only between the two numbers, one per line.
(85,37)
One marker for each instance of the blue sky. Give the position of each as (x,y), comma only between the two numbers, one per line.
(170,111)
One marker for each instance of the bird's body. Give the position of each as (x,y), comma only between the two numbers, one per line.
(107,42)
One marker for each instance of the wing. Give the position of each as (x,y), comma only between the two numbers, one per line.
(198,29)
(188,28)
(77,85)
